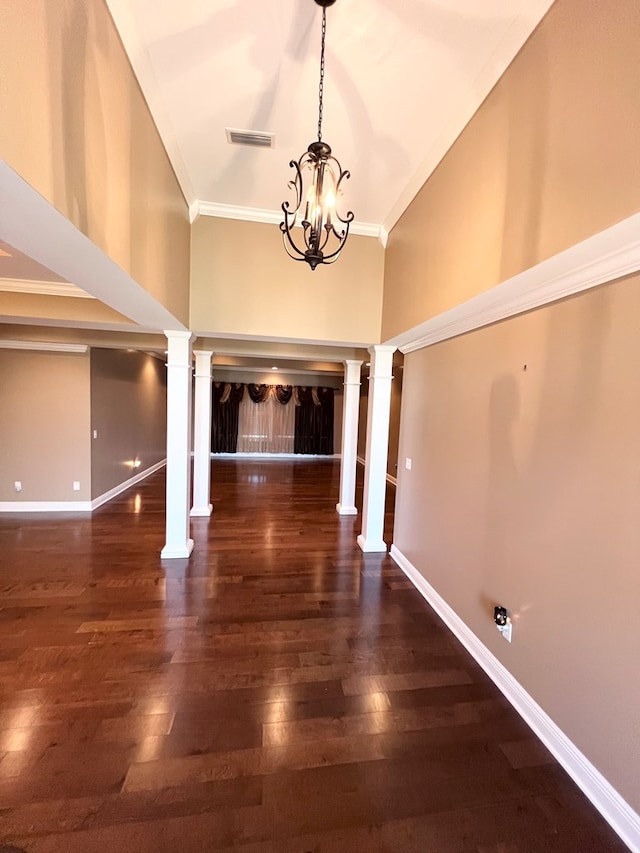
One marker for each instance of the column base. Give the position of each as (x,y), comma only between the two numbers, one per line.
(370,547)
(177,552)
(346,510)
(198,511)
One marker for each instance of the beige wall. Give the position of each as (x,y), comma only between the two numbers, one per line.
(549,159)
(44,426)
(243,282)
(524,492)
(129,411)
(74,310)
(76,127)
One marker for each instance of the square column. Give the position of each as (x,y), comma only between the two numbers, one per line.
(350,414)
(375,469)
(202,435)
(178,544)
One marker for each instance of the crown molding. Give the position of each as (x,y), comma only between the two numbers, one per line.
(43,288)
(608,255)
(43,346)
(273,217)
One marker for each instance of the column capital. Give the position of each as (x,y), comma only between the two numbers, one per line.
(204,352)
(178,335)
(376,349)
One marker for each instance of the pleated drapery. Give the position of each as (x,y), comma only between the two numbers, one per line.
(314,420)
(224,421)
(272,419)
(266,421)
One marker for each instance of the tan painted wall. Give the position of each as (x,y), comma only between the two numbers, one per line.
(44,426)
(243,282)
(524,492)
(129,410)
(76,127)
(549,159)
(74,310)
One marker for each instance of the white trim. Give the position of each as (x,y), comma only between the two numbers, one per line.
(287,371)
(43,288)
(371,546)
(177,552)
(43,346)
(122,487)
(604,797)
(308,457)
(201,511)
(360,460)
(391,479)
(45,506)
(79,506)
(33,226)
(273,217)
(608,255)
(346,510)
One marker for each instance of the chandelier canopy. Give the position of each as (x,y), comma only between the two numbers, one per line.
(317,186)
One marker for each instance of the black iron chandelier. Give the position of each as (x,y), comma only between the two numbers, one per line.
(317,182)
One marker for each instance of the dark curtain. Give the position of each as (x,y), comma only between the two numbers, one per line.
(259,393)
(283,393)
(314,420)
(224,421)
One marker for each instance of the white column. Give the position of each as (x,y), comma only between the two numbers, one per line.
(375,469)
(202,434)
(350,413)
(178,543)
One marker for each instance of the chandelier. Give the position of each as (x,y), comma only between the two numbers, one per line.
(316,184)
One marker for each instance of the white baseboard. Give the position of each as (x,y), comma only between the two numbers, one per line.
(122,487)
(177,552)
(616,811)
(45,506)
(346,510)
(308,457)
(79,506)
(370,546)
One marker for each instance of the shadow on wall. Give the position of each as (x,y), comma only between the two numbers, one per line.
(75,73)
(541,420)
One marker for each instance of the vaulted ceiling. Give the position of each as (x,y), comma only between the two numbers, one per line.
(403,77)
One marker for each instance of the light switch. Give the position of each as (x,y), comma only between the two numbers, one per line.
(407,464)
(76,485)
(95,433)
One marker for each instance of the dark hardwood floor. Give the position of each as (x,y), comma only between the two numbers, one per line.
(279,692)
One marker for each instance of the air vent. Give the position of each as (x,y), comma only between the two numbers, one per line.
(256,138)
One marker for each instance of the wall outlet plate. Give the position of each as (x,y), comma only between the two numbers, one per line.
(506,630)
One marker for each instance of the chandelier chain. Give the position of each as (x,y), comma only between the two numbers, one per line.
(321,85)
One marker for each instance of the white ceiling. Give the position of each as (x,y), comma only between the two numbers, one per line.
(403,77)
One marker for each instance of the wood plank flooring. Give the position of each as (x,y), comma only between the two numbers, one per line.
(279,692)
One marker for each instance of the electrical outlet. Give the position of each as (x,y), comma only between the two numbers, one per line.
(76,485)
(17,486)
(506,630)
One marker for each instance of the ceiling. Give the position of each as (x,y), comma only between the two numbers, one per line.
(403,77)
